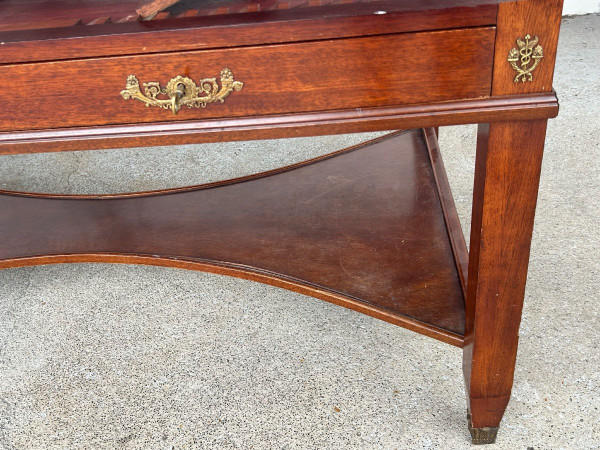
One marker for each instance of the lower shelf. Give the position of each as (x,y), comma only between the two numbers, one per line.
(365,227)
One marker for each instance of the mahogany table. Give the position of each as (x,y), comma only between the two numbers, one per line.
(372,227)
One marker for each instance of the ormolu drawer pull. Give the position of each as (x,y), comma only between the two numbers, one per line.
(182,91)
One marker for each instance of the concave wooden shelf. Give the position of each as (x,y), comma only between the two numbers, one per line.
(364,227)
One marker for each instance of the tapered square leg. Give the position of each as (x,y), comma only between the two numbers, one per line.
(507,171)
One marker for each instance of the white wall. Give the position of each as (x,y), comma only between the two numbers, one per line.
(581,6)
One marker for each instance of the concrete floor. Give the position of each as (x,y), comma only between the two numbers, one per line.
(98,356)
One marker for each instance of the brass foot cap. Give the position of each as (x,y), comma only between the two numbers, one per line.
(486,435)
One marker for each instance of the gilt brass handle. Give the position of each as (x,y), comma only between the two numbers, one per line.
(182,91)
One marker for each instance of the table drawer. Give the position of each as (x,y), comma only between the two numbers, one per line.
(277,79)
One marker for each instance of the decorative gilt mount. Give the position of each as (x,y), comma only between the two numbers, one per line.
(182,91)
(528,51)
(481,436)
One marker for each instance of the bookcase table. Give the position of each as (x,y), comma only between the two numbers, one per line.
(372,227)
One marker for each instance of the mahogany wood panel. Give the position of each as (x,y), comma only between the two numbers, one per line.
(213,7)
(534,106)
(455,232)
(516,19)
(313,76)
(27,14)
(270,27)
(364,224)
(508,166)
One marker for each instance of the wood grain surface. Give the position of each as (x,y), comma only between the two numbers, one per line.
(539,18)
(508,166)
(365,225)
(372,228)
(534,106)
(313,76)
(126,35)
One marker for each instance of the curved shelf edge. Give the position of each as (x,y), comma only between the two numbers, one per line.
(204,186)
(245,273)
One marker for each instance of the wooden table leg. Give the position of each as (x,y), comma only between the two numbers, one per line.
(507,171)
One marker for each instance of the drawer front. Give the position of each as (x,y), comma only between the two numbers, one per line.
(277,79)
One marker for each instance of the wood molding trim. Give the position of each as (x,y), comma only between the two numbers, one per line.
(518,107)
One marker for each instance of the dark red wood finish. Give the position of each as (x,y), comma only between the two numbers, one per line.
(365,225)
(504,199)
(233,30)
(535,106)
(36,14)
(343,228)
(539,18)
(277,79)
(455,232)
(508,165)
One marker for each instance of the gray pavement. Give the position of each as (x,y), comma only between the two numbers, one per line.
(99,356)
